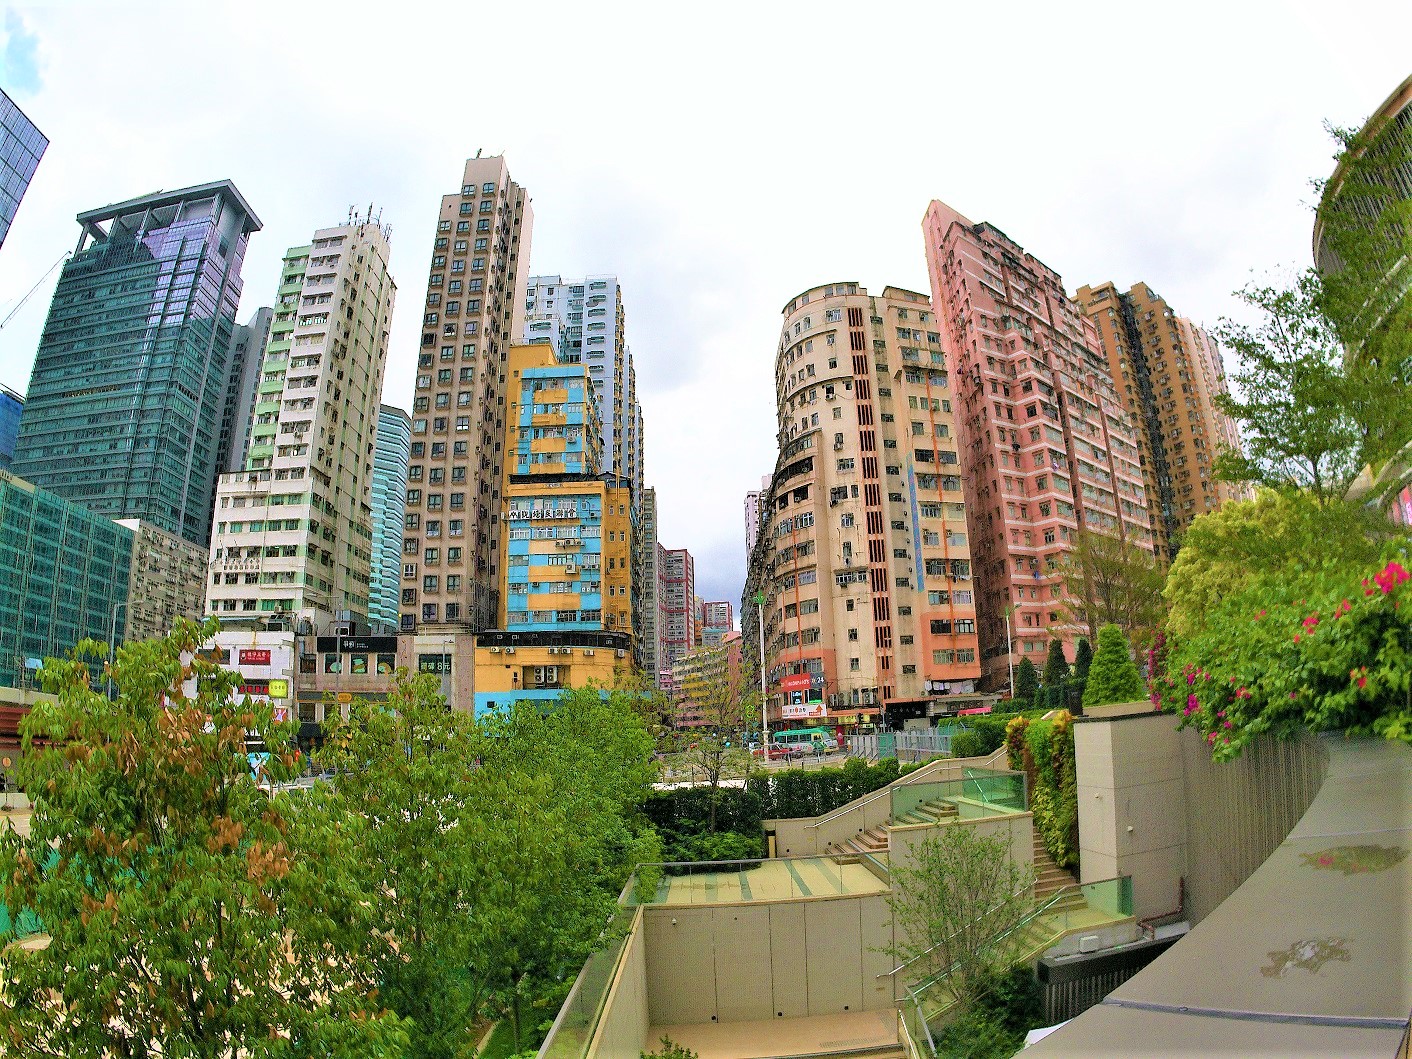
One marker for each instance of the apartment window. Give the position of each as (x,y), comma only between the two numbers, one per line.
(853,664)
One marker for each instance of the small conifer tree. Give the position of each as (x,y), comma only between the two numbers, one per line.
(1026,684)
(1112,677)
(1056,675)
(1083,658)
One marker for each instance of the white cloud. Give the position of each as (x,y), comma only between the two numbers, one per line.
(718,159)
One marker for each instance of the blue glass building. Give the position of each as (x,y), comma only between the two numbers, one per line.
(390,455)
(11,405)
(21,148)
(124,408)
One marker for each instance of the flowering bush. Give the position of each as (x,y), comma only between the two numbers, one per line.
(1339,656)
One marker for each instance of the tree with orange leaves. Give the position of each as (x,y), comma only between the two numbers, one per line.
(182,903)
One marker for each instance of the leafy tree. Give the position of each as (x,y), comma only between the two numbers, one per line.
(1302,416)
(185,911)
(1113,677)
(1277,537)
(952,905)
(1026,681)
(404,782)
(722,695)
(1056,674)
(1110,581)
(1083,658)
(556,808)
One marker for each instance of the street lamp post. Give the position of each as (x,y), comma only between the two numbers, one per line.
(764,720)
(1009,650)
(112,642)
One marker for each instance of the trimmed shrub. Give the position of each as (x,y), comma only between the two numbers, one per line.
(1113,677)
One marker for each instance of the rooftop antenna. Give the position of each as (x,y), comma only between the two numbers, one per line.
(478,151)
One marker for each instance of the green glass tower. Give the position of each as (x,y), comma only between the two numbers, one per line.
(124,408)
(63,577)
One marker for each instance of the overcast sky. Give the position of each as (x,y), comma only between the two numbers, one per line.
(719,158)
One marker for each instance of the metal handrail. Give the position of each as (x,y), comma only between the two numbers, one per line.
(1018,925)
(905,781)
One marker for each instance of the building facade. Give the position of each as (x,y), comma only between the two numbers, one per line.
(567,593)
(587,315)
(293,529)
(474,304)
(1365,202)
(1169,373)
(676,594)
(247,356)
(1048,449)
(650,627)
(12,406)
(21,147)
(717,619)
(167,581)
(866,564)
(124,408)
(708,685)
(394,446)
(64,575)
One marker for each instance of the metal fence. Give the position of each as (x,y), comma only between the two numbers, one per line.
(905,746)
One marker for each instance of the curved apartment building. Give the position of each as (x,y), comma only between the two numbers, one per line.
(863,555)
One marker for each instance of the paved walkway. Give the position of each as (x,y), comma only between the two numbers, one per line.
(843,1034)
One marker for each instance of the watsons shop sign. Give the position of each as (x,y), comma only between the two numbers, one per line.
(523,515)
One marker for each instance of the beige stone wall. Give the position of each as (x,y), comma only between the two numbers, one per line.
(1132,818)
(1153,805)
(734,963)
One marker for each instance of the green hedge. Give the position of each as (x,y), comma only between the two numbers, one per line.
(682,816)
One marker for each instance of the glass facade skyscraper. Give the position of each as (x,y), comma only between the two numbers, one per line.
(393,447)
(124,408)
(63,577)
(21,148)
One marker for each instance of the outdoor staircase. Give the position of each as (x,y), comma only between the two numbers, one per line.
(1049,877)
(875,840)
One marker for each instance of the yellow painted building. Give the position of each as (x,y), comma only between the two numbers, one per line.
(566,613)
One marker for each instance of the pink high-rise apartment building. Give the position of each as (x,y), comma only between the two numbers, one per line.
(1047,450)
(676,594)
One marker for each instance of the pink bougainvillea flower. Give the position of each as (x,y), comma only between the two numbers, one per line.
(1260,615)
(1294,694)
(1211,738)
(1296,637)
(1228,724)
(1342,609)
(1392,574)
(1312,620)
(1190,679)
(1325,861)
(1362,682)
(1191,700)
